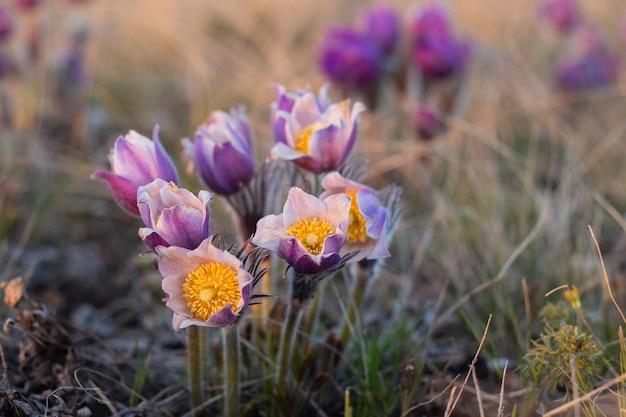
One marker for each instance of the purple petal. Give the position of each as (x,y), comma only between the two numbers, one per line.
(165,166)
(124,190)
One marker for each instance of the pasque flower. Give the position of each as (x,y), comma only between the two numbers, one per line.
(6,25)
(431,19)
(350,58)
(367,226)
(222,151)
(173,216)
(382,25)
(316,135)
(440,56)
(562,15)
(206,286)
(309,233)
(428,122)
(135,161)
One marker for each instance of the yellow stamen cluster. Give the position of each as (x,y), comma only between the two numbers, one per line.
(311,233)
(209,288)
(357,228)
(301,144)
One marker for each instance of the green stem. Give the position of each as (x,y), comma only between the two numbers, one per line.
(195,357)
(364,275)
(287,337)
(231,370)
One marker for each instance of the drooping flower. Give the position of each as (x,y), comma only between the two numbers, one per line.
(309,233)
(222,151)
(173,216)
(316,135)
(367,227)
(350,58)
(135,161)
(562,15)
(205,286)
(381,24)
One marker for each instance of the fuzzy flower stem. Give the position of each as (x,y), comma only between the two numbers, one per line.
(287,337)
(363,272)
(195,357)
(231,370)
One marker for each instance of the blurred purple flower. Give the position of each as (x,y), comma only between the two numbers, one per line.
(440,56)
(315,135)
(205,286)
(222,151)
(367,226)
(429,20)
(562,15)
(588,63)
(381,24)
(6,24)
(173,216)
(428,122)
(309,233)
(135,161)
(350,58)
(26,4)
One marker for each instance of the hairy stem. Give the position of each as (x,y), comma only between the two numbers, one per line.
(195,358)
(231,370)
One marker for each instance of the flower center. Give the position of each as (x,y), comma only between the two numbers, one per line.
(301,143)
(209,288)
(357,230)
(311,233)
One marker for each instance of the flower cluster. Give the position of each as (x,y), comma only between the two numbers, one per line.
(315,233)
(377,55)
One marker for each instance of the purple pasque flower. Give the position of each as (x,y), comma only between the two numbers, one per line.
(316,135)
(135,161)
(431,19)
(440,56)
(588,63)
(205,286)
(222,151)
(381,24)
(367,227)
(6,25)
(350,58)
(309,233)
(562,15)
(173,216)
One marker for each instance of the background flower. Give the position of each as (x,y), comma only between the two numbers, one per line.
(206,286)
(173,216)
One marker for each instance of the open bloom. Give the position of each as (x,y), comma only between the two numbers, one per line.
(309,234)
(173,216)
(350,58)
(222,151)
(315,135)
(205,286)
(367,227)
(136,161)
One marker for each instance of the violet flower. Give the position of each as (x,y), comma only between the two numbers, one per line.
(316,136)
(440,56)
(429,20)
(428,122)
(222,151)
(173,216)
(562,15)
(26,4)
(309,233)
(367,226)
(381,24)
(135,161)
(350,58)
(205,286)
